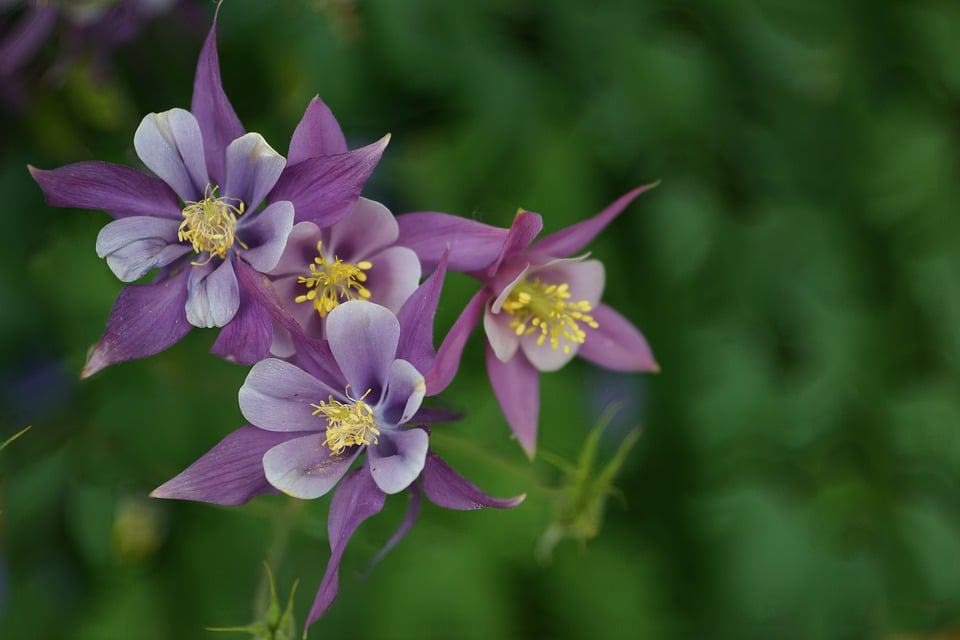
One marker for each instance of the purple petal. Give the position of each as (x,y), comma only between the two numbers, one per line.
(299,252)
(575,237)
(318,134)
(218,121)
(133,246)
(305,467)
(246,339)
(368,228)
(266,233)
(356,499)
(323,190)
(397,459)
(526,225)
(447,362)
(446,488)
(394,277)
(473,245)
(617,344)
(229,474)
(277,395)
(120,191)
(416,320)
(213,295)
(253,168)
(516,384)
(145,319)
(363,338)
(409,519)
(171,146)
(432,415)
(24,39)
(405,389)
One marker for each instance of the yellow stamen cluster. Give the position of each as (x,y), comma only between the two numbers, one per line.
(546,308)
(347,424)
(331,282)
(210,224)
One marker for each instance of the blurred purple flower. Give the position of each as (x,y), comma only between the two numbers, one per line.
(200,222)
(539,306)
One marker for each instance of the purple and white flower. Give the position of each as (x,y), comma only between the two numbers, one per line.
(539,304)
(199,221)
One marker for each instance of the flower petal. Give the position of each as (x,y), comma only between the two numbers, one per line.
(213,295)
(230,474)
(145,319)
(253,168)
(516,384)
(323,190)
(218,121)
(299,252)
(447,362)
(409,519)
(363,338)
(397,459)
(405,390)
(368,228)
(617,344)
(266,233)
(356,499)
(526,225)
(416,318)
(135,245)
(246,339)
(575,237)
(394,277)
(24,38)
(120,191)
(446,488)
(277,395)
(473,245)
(502,339)
(305,467)
(171,146)
(318,134)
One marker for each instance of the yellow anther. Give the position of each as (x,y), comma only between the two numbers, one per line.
(331,282)
(545,309)
(347,424)
(210,225)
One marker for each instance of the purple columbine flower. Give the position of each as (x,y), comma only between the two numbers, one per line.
(540,307)
(200,221)
(358,392)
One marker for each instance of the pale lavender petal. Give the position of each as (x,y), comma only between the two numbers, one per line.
(277,396)
(171,146)
(323,190)
(266,233)
(253,168)
(363,338)
(516,384)
(397,459)
(405,390)
(575,237)
(617,344)
(409,519)
(416,320)
(368,228)
(318,134)
(135,245)
(356,499)
(446,488)
(394,276)
(305,467)
(145,319)
(288,289)
(502,339)
(229,474)
(218,121)
(246,339)
(299,252)
(473,245)
(213,295)
(447,362)
(120,191)
(526,225)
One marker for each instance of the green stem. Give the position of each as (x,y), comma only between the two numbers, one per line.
(285,523)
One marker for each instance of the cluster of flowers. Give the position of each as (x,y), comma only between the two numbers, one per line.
(320,290)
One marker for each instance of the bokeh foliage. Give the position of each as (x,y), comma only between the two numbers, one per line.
(798,475)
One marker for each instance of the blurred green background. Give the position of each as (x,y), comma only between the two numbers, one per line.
(797,274)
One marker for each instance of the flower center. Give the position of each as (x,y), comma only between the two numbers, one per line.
(546,308)
(210,224)
(347,424)
(331,282)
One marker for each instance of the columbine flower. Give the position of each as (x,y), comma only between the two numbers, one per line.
(540,307)
(200,222)
(355,259)
(309,425)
